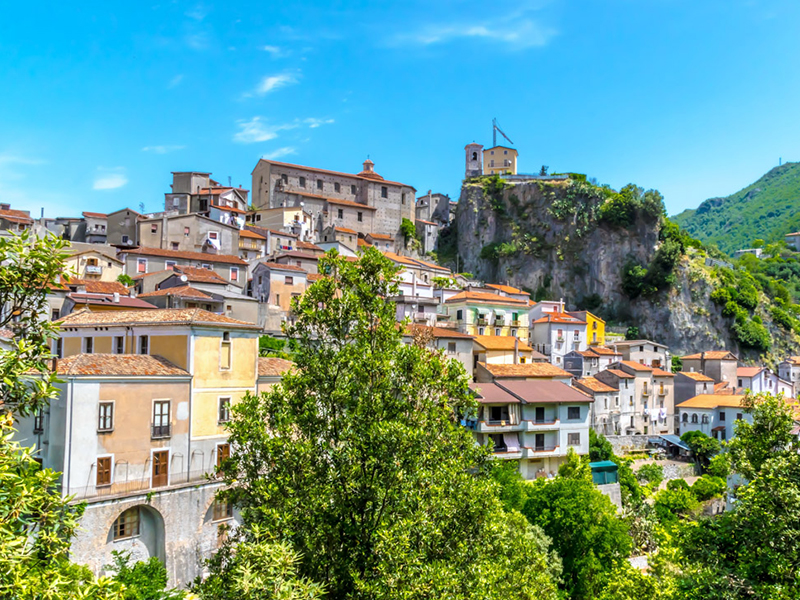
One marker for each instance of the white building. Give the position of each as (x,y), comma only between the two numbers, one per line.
(761,379)
(556,334)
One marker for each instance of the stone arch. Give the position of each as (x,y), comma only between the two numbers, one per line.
(148,538)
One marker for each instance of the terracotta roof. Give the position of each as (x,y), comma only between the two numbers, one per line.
(595,385)
(603,351)
(712,401)
(696,376)
(662,373)
(712,355)
(748,371)
(301,245)
(296,254)
(559,318)
(404,260)
(636,366)
(535,369)
(160,316)
(582,314)
(263,231)
(202,257)
(485,297)
(491,393)
(637,343)
(345,230)
(199,274)
(94,215)
(501,342)
(15,216)
(301,167)
(430,265)
(314,277)
(364,243)
(544,390)
(437,332)
(281,267)
(427,222)
(230,208)
(795,360)
(506,288)
(108,301)
(273,367)
(722,387)
(246,233)
(381,236)
(620,374)
(184,291)
(98,287)
(144,365)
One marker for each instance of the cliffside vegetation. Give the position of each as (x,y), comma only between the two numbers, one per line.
(767,209)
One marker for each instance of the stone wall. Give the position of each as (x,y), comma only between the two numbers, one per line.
(613,491)
(623,443)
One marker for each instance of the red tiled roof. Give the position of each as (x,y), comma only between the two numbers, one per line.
(281,267)
(296,254)
(314,277)
(506,288)
(437,332)
(183,291)
(535,369)
(230,208)
(303,168)
(94,215)
(202,257)
(620,374)
(107,300)
(491,393)
(712,355)
(748,371)
(110,365)
(345,230)
(15,216)
(544,390)
(350,203)
(199,274)
(485,297)
(662,373)
(246,233)
(270,366)
(159,316)
(501,342)
(97,287)
(594,385)
(381,236)
(301,245)
(426,222)
(364,243)
(696,376)
(559,318)
(636,366)
(603,351)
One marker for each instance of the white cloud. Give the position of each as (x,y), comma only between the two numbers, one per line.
(279,153)
(12,165)
(198,13)
(110,179)
(162,149)
(314,123)
(175,81)
(274,82)
(256,130)
(275,51)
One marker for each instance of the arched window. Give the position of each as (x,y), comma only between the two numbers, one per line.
(127,524)
(685,417)
(474,156)
(694,418)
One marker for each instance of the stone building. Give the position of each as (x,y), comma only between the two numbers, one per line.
(189,232)
(364,202)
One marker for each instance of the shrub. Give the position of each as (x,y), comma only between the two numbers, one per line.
(619,211)
(782,318)
(677,484)
(708,487)
(634,281)
(719,466)
(721,296)
(752,334)
(408,229)
(671,504)
(651,474)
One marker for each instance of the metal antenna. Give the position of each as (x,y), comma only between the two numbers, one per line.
(495,129)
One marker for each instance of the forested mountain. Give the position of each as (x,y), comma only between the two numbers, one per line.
(767,209)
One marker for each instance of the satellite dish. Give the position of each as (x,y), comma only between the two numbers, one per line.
(184,278)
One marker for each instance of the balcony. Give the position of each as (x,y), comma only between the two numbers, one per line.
(662,391)
(125,485)
(541,425)
(160,432)
(560,339)
(502,452)
(541,451)
(499,322)
(515,322)
(498,426)
(94,270)
(483,321)
(645,392)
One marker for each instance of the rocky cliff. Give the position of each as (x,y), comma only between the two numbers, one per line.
(549,237)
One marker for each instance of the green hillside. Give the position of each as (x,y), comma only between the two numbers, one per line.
(767,209)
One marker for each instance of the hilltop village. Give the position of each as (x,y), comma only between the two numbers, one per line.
(169,311)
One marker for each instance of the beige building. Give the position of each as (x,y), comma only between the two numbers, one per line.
(500,160)
(99,264)
(504,350)
(189,233)
(144,260)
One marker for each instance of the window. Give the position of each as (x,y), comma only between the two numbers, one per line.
(59,348)
(186,232)
(206,266)
(226,352)
(104,471)
(234,273)
(141,265)
(337,187)
(353,190)
(573,439)
(224,411)
(694,418)
(384,191)
(125,239)
(119,345)
(480,331)
(154,228)
(573,412)
(55,314)
(38,422)
(722,416)
(170,264)
(451,347)
(505,151)
(403,198)
(360,217)
(105,417)
(289,280)
(213,235)
(222,510)
(161,424)
(88,345)
(340,214)
(144,344)
(459,315)
(278,299)
(173,246)
(740,383)
(285,178)
(223,453)
(577,335)
(738,416)
(127,524)
(302,181)
(685,418)
(319,184)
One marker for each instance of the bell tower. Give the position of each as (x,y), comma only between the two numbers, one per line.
(474,160)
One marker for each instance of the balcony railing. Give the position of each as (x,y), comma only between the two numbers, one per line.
(158,432)
(560,339)
(645,392)
(499,322)
(138,484)
(515,322)
(483,321)
(662,392)
(544,448)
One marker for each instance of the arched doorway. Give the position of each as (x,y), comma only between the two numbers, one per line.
(140,531)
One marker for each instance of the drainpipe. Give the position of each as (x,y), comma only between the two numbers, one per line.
(516,350)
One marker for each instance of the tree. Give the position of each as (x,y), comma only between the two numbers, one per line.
(632,333)
(769,436)
(144,580)
(575,467)
(628,583)
(670,504)
(587,533)
(31,266)
(357,459)
(272,346)
(702,446)
(408,229)
(599,447)
(125,280)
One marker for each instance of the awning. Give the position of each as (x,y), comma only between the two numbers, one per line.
(512,441)
(499,312)
(670,439)
(718,428)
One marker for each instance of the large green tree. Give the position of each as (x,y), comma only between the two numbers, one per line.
(358,461)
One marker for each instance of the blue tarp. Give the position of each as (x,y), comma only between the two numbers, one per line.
(671,439)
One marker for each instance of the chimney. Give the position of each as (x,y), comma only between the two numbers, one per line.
(6,206)
(116,297)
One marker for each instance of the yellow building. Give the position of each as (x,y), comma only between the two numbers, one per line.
(500,160)
(595,327)
(96,265)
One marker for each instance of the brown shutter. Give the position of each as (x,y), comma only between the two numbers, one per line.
(104,471)
(223,453)
(160,468)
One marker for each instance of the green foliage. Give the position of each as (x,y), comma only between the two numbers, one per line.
(497,250)
(575,467)
(677,484)
(358,461)
(125,280)
(627,583)
(707,487)
(30,267)
(272,346)
(621,209)
(719,466)
(677,364)
(408,229)
(638,280)
(752,334)
(513,488)
(702,446)
(767,209)
(586,532)
(145,580)
(259,569)
(599,447)
(632,333)
(669,504)
(651,474)
(445,282)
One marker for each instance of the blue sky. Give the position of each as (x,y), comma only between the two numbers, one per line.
(101,100)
